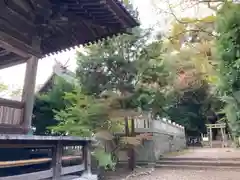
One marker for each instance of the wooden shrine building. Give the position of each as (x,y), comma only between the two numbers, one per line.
(33,29)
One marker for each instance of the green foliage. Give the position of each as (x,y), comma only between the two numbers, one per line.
(104,159)
(134,70)
(115,77)
(128,64)
(188,58)
(188,111)
(228,50)
(112,64)
(82,116)
(47,102)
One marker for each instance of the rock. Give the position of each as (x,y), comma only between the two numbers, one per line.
(87,176)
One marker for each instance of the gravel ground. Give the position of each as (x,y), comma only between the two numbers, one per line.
(213,153)
(191,174)
(181,174)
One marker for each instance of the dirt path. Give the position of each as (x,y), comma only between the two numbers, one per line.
(196,174)
(181,174)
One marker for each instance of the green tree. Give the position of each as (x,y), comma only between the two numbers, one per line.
(191,63)
(47,103)
(82,116)
(112,76)
(112,64)
(227,44)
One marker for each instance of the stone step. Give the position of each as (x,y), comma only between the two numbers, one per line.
(197,159)
(201,163)
(195,167)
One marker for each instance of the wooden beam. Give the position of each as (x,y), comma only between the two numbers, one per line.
(36,176)
(42,174)
(122,12)
(19,32)
(27,162)
(4,52)
(11,103)
(216,126)
(57,161)
(8,10)
(24,145)
(43,3)
(117,12)
(72,169)
(87,157)
(11,129)
(16,46)
(12,62)
(24,5)
(14,23)
(19,163)
(28,90)
(132,157)
(10,48)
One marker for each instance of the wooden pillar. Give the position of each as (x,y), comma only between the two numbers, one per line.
(126,126)
(132,159)
(87,157)
(57,161)
(210,138)
(223,137)
(127,134)
(29,91)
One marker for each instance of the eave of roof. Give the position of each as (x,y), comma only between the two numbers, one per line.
(57,25)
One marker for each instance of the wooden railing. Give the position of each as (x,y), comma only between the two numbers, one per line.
(60,165)
(11,112)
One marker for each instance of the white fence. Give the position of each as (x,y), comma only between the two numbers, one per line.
(167,136)
(161,125)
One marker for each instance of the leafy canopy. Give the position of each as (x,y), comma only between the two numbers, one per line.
(228,50)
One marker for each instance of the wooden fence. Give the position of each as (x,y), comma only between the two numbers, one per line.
(11,116)
(11,112)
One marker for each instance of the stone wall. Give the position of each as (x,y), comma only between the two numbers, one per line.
(167,137)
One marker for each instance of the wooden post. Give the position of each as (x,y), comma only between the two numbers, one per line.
(132,160)
(28,91)
(210,138)
(57,161)
(87,157)
(223,137)
(127,134)
(126,126)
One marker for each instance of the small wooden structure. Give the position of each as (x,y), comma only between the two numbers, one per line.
(221,126)
(33,29)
